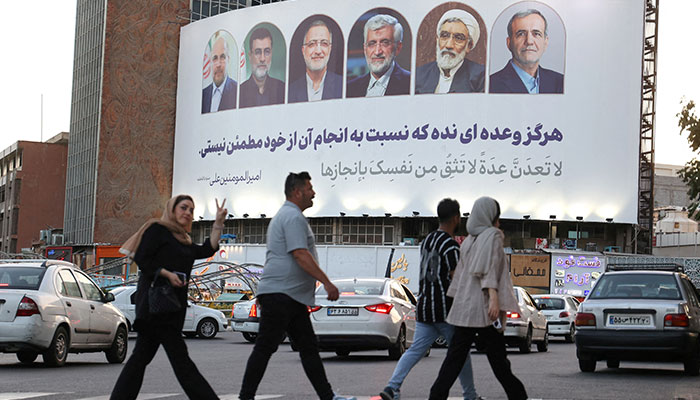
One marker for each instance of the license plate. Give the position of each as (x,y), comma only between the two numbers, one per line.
(343,311)
(629,320)
(238,324)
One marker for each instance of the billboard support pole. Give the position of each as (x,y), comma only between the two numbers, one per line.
(645,209)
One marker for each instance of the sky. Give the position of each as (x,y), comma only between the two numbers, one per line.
(51,74)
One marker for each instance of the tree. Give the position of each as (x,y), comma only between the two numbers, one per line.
(689,122)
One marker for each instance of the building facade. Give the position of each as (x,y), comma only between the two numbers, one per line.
(32,191)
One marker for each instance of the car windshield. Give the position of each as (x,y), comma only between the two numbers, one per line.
(636,286)
(21,277)
(359,288)
(550,303)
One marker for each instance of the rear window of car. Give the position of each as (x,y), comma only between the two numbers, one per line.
(551,303)
(21,277)
(359,288)
(637,286)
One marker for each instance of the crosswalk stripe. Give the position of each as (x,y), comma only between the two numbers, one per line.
(19,396)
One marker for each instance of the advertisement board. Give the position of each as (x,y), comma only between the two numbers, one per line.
(530,270)
(575,273)
(392,109)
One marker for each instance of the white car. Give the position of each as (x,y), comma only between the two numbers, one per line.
(245,319)
(52,308)
(199,320)
(528,326)
(560,311)
(371,314)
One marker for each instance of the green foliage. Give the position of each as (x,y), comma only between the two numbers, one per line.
(690,174)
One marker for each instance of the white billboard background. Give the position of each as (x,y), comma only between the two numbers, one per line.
(584,162)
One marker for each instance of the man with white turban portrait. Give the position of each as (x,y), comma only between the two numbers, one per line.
(457,34)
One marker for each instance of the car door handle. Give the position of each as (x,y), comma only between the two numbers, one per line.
(92,307)
(68,304)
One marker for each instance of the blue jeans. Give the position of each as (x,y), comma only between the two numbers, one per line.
(426,333)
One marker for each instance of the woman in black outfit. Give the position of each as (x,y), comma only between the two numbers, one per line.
(160,248)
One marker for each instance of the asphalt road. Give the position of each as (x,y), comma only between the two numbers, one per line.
(550,375)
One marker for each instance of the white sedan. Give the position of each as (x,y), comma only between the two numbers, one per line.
(371,314)
(560,311)
(52,308)
(527,326)
(199,320)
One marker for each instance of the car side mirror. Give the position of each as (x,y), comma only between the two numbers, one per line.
(542,306)
(108,297)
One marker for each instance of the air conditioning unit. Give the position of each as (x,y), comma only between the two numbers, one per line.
(45,235)
(57,239)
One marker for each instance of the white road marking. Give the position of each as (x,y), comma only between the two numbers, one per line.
(18,396)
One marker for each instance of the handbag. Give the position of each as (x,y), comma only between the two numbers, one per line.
(162,299)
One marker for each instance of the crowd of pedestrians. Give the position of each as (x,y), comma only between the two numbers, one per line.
(465,292)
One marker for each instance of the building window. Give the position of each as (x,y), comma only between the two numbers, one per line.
(322,229)
(255,231)
(373,231)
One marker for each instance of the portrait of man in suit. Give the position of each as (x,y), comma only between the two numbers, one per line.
(221,93)
(527,40)
(383,41)
(318,82)
(261,89)
(457,33)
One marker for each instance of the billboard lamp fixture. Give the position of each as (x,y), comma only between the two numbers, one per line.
(230,215)
(263,216)
(526,216)
(579,218)
(416,213)
(342,214)
(365,215)
(466,215)
(201,218)
(608,219)
(552,216)
(245,215)
(387,214)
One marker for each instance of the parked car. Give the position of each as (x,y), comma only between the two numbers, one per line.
(370,314)
(52,308)
(641,316)
(527,326)
(560,311)
(202,321)
(245,319)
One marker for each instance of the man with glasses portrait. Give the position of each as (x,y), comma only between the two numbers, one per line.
(261,89)
(318,83)
(221,93)
(457,34)
(383,36)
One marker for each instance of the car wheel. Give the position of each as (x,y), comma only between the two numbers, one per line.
(544,344)
(117,352)
(207,328)
(586,365)
(526,345)
(342,353)
(27,357)
(569,338)
(396,350)
(249,336)
(440,342)
(56,354)
(613,363)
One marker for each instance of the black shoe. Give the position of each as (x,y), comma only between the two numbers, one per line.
(389,393)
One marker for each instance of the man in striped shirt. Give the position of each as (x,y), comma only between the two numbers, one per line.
(439,255)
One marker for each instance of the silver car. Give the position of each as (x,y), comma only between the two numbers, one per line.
(52,308)
(641,316)
(560,311)
(371,314)
(527,326)
(245,319)
(199,321)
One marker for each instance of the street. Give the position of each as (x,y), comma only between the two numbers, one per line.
(551,375)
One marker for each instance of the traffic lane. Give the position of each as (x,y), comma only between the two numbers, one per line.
(550,375)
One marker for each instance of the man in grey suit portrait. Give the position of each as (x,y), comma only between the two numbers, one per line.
(527,41)
(457,34)
(318,83)
(383,42)
(221,93)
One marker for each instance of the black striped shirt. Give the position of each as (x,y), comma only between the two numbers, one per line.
(433,304)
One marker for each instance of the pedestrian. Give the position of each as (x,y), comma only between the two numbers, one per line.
(285,290)
(439,254)
(482,292)
(162,249)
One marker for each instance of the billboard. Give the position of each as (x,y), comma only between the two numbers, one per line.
(392,109)
(575,273)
